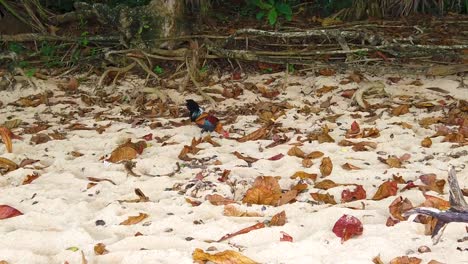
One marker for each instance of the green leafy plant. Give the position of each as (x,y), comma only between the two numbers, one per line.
(272,9)
(84,40)
(291,68)
(158,70)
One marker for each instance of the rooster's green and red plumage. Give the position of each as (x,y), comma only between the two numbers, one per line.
(206,121)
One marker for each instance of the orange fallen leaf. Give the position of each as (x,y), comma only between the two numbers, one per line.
(131,220)
(405,260)
(400,206)
(386,189)
(307,163)
(242,231)
(216,199)
(326,167)
(426,142)
(100,249)
(304,175)
(314,155)
(224,257)
(435,202)
(348,166)
(5,134)
(30,178)
(265,190)
(297,152)
(244,158)
(232,210)
(287,197)
(260,133)
(326,184)
(400,110)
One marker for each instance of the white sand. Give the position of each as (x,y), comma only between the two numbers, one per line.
(60,212)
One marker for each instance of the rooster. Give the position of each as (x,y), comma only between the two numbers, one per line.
(206,121)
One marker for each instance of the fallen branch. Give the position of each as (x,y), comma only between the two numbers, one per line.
(458,211)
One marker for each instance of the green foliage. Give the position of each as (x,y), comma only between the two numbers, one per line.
(271,9)
(158,70)
(291,68)
(16,48)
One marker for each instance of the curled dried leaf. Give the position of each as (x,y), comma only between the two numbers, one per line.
(323,198)
(232,210)
(260,133)
(304,175)
(326,167)
(131,220)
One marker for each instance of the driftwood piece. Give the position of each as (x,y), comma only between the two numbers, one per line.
(458,211)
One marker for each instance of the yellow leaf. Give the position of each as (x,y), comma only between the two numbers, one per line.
(224,257)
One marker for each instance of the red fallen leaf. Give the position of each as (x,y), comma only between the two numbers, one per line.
(148,137)
(409,185)
(7,211)
(347,226)
(276,157)
(286,237)
(225,176)
(358,194)
(242,231)
(236,75)
(354,128)
(348,93)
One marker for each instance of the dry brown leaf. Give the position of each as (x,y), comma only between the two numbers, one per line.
(278,219)
(260,133)
(93,179)
(405,260)
(314,155)
(265,190)
(435,202)
(349,166)
(324,137)
(304,175)
(296,152)
(377,260)
(134,219)
(326,166)
(287,197)
(7,165)
(225,257)
(325,89)
(327,72)
(232,210)
(364,146)
(100,249)
(3,262)
(386,189)
(90,185)
(400,110)
(400,206)
(6,135)
(323,198)
(432,183)
(244,158)
(326,184)
(393,162)
(307,163)
(40,139)
(426,142)
(216,199)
